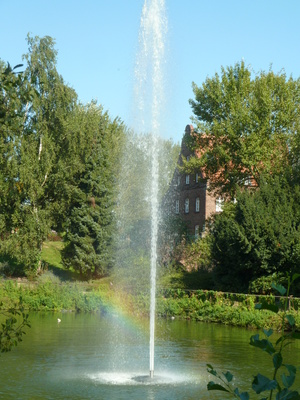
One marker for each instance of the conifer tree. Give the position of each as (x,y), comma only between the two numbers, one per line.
(90,219)
(259,236)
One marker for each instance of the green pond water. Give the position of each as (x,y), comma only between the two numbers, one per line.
(90,356)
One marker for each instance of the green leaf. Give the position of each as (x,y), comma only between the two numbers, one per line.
(294,277)
(285,394)
(262,383)
(291,319)
(268,332)
(291,368)
(288,380)
(17,66)
(243,395)
(215,386)
(279,288)
(262,344)
(277,360)
(228,376)
(211,370)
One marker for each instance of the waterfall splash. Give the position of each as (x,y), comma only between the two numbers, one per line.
(148,102)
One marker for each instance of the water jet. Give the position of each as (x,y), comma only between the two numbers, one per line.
(149,99)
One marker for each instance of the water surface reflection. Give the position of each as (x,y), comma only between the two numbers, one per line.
(106,357)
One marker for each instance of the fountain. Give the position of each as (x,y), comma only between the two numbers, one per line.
(149,99)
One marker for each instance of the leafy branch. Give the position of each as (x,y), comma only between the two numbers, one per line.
(12,329)
(261,383)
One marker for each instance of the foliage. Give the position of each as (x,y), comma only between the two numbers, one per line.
(15,93)
(33,142)
(89,218)
(194,255)
(251,125)
(226,308)
(258,236)
(13,322)
(50,294)
(261,383)
(59,159)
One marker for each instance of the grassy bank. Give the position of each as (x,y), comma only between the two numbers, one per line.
(225,308)
(58,289)
(100,296)
(50,296)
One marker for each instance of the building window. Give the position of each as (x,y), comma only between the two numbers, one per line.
(186,206)
(247,181)
(197,208)
(197,177)
(178,180)
(187,179)
(196,231)
(177,207)
(219,204)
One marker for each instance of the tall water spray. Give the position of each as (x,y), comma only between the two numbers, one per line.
(148,101)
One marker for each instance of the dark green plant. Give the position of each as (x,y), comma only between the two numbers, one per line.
(12,328)
(274,386)
(258,237)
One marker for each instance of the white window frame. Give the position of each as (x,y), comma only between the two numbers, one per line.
(248,181)
(197,204)
(186,206)
(187,179)
(219,204)
(197,177)
(177,207)
(197,231)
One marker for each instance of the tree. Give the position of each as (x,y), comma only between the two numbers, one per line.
(250,126)
(58,167)
(259,236)
(37,133)
(15,93)
(89,219)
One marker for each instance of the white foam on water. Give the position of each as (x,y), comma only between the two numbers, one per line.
(140,378)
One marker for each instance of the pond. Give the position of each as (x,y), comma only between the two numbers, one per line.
(90,356)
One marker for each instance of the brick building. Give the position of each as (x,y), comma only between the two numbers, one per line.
(188,196)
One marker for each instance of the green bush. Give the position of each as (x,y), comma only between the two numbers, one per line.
(284,375)
(47,294)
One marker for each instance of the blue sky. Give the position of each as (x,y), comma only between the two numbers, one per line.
(97,42)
